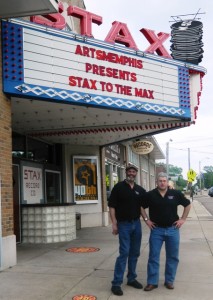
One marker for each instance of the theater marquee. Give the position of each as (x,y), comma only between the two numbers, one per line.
(60,66)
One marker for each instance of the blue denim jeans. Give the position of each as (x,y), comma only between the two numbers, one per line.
(130,235)
(171,237)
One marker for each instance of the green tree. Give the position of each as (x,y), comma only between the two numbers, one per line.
(175,173)
(208,169)
(181,183)
(207,177)
(173,170)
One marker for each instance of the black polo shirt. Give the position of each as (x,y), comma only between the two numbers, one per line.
(126,201)
(163,210)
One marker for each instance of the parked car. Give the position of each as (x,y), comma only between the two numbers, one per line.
(210,193)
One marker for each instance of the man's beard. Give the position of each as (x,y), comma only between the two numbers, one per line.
(130,179)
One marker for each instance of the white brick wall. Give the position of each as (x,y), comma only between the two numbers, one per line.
(48,224)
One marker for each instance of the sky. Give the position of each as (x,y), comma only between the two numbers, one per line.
(192,146)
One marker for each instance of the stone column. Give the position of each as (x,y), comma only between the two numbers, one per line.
(105,210)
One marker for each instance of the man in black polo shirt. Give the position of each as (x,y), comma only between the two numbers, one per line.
(125,210)
(164,223)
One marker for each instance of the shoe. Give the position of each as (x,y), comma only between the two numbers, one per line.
(116,290)
(150,287)
(135,284)
(169,286)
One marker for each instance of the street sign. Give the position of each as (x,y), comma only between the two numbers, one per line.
(191,175)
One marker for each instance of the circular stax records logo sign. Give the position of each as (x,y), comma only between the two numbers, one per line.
(84,297)
(142,147)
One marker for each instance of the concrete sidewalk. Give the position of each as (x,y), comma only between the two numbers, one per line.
(50,272)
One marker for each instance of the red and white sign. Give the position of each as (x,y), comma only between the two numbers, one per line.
(119,32)
(66,64)
(32,185)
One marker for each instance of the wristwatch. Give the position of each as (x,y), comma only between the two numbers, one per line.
(146,219)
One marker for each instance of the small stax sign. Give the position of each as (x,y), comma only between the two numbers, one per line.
(142,147)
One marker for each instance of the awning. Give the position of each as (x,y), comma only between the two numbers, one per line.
(22,8)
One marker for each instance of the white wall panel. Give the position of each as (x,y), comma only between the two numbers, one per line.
(62,52)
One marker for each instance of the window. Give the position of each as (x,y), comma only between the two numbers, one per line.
(133,157)
(28,148)
(53,186)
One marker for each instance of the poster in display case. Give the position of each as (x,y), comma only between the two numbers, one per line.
(85,179)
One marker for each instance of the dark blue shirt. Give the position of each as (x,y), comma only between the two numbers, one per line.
(163,210)
(127,201)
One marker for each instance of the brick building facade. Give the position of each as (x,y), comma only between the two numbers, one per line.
(6,162)
(6,172)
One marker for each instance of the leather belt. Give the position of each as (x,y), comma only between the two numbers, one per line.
(129,221)
(164,226)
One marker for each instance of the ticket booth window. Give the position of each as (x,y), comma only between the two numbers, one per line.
(53,186)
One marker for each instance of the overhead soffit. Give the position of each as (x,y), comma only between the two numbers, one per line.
(157,152)
(84,125)
(21,8)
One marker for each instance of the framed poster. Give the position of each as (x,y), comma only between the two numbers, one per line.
(85,179)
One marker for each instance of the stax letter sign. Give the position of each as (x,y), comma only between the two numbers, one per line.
(191,175)
(142,147)
(119,32)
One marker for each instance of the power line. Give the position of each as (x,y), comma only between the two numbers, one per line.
(194,140)
(191,150)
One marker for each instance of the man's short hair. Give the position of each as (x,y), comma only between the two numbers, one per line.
(162,174)
(131,167)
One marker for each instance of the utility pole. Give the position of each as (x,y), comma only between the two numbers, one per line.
(189,165)
(167,157)
(200,176)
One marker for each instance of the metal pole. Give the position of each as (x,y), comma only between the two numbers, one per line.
(167,158)
(189,158)
(200,174)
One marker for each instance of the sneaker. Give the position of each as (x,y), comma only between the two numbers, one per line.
(116,290)
(135,284)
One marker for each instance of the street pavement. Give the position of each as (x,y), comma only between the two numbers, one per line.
(50,272)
